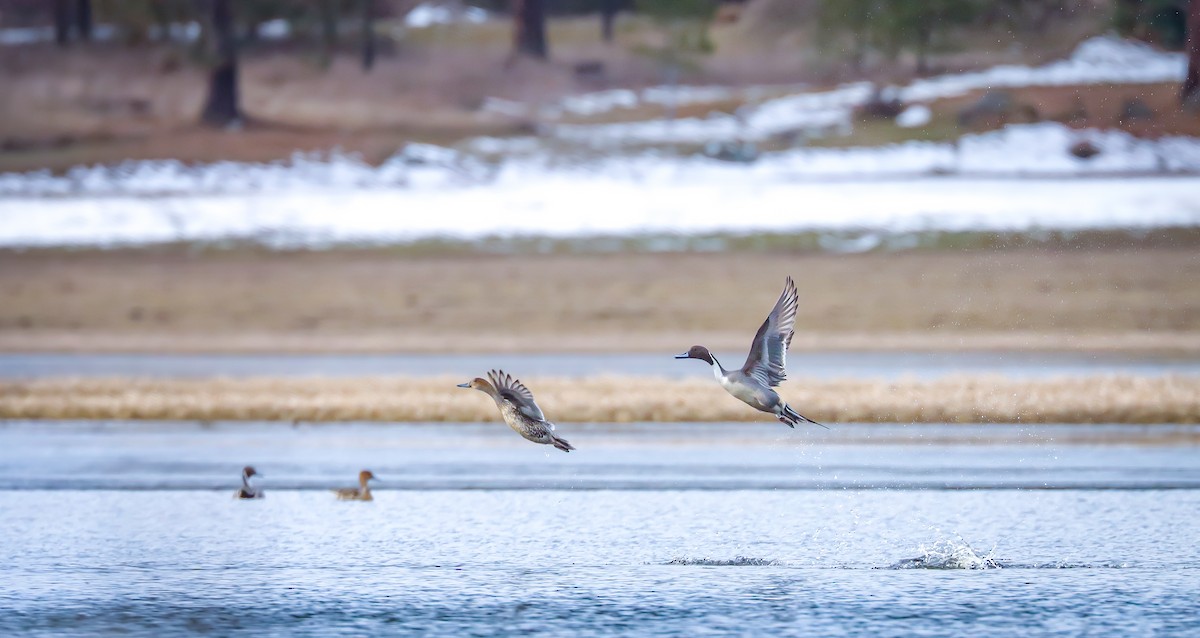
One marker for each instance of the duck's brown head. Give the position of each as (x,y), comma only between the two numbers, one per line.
(365,476)
(478,384)
(697,352)
(249,471)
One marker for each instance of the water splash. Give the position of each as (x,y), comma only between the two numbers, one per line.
(736,561)
(949,554)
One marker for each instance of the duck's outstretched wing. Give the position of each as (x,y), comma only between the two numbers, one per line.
(768,354)
(508,387)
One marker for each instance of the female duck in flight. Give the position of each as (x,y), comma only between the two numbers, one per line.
(518,408)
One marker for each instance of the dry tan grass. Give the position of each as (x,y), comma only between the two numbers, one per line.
(374,300)
(963,399)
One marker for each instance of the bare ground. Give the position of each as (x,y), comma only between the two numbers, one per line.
(179,299)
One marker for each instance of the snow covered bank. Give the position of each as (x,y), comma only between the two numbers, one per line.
(1020,178)
(416,166)
(1100,60)
(574,205)
(1028,150)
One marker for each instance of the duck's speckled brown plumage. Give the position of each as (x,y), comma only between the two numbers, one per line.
(518,409)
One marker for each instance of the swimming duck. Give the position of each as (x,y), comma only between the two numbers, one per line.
(764,367)
(248,491)
(361,493)
(518,408)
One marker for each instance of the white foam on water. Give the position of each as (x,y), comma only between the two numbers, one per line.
(949,554)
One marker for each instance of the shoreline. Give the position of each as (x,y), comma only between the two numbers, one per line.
(964,398)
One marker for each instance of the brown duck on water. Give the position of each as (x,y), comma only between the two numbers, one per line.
(361,493)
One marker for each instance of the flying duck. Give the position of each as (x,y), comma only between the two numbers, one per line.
(764,367)
(518,408)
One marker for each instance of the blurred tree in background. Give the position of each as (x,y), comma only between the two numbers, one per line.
(858,30)
(71,15)
(685,25)
(367,11)
(62,22)
(529,28)
(855,19)
(83,19)
(922,26)
(608,17)
(1030,16)
(1189,95)
(1161,22)
(893,27)
(221,108)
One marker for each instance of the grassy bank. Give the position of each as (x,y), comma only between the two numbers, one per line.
(1136,299)
(960,399)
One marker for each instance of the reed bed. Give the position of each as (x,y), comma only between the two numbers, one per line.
(960,399)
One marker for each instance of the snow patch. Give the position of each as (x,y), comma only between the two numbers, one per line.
(428,14)
(915,116)
(1099,60)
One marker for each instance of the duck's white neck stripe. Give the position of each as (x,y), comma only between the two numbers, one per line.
(716,367)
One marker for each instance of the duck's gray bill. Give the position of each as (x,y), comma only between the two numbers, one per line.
(682,356)
(464,385)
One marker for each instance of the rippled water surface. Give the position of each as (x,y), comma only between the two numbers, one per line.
(668,530)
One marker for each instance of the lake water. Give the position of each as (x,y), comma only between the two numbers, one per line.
(816,365)
(647,529)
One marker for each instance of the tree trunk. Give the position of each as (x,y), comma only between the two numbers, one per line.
(221,109)
(608,16)
(530,28)
(859,56)
(162,20)
(1190,94)
(924,38)
(83,19)
(368,35)
(253,32)
(329,21)
(62,22)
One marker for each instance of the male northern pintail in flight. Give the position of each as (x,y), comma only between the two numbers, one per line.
(248,491)
(360,493)
(518,408)
(764,368)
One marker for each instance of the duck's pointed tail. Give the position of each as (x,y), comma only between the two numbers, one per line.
(560,443)
(792,417)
